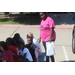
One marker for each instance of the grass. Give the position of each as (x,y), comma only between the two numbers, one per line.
(7,21)
(24,20)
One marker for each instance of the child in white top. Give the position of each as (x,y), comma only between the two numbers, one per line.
(28,55)
(25,54)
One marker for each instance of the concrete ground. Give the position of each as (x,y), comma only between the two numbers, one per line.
(63,44)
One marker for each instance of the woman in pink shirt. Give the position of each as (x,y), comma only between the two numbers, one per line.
(47,32)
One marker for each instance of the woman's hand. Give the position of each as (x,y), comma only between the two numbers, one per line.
(50,39)
(39,39)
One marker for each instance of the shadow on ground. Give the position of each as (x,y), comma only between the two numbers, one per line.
(68,61)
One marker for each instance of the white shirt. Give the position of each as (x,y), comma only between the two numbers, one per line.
(28,55)
(37,44)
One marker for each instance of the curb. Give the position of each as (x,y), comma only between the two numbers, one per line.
(33,27)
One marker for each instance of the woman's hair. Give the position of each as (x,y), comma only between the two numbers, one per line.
(4,45)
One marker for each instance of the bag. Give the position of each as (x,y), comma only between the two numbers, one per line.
(50,49)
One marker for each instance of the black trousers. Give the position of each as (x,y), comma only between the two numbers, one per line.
(47,57)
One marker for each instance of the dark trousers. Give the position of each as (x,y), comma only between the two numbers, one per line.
(47,57)
(23,59)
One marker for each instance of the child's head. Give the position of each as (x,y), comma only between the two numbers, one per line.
(29,40)
(3,46)
(21,45)
(30,35)
(17,35)
(10,41)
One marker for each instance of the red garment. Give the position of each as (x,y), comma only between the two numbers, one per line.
(7,55)
(13,49)
(17,50)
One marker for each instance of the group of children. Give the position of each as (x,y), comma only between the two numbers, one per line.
(15,50)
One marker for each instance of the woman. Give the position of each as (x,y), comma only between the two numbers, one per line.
(6,55)
(47,32)
(35,42)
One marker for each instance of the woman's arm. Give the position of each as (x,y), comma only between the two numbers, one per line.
(39,38)
(51,34)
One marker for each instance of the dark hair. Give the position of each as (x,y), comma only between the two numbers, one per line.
(20,42)
(30,38)
(11,40)
(16,40)
(17,35)
(4,45)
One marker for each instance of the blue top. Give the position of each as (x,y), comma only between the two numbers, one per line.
(0,54)
(21,40)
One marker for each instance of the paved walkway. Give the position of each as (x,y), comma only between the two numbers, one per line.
(63,43)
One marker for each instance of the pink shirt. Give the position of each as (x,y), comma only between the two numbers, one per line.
(7,55)
(45,29)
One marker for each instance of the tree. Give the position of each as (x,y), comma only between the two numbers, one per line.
(21,13)
(6,13)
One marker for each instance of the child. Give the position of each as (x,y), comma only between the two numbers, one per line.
(16,46)
(35,42)
(1,55)
(7,55)
(18,38)
(25,54)
(11,47)
(32,47)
